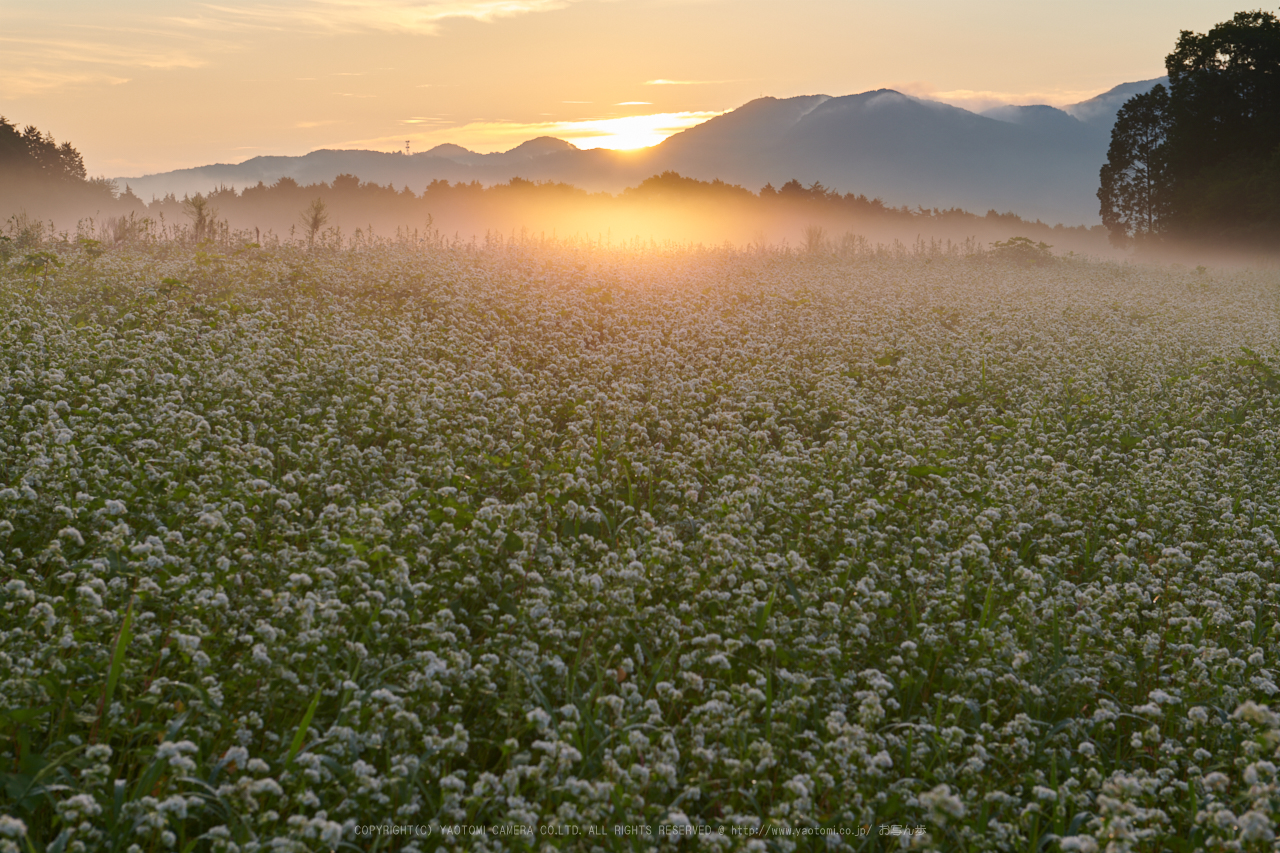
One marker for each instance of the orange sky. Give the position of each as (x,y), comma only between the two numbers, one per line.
(141,86)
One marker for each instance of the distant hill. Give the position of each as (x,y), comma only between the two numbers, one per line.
(908,150)
(1100,111)
(1039,117)
(1039,161)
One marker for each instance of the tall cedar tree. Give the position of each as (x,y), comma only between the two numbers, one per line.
(1135,193)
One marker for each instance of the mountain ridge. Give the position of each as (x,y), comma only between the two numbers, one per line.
(1039,160)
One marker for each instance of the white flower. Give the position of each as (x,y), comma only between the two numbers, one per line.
(1217,781)
(72,535)
(79,807)
(1255,713)
(11,827)
(1256,826)
(539,718)
(943,804)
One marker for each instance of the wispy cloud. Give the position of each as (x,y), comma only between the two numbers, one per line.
(41,49)
(981,99)
(85,50)
(339,16)
(33,64)
(662,82)
(23,82)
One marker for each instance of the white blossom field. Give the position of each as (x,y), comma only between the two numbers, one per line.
(412,547)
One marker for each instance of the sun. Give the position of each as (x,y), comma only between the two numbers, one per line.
(630,132)
(623,133)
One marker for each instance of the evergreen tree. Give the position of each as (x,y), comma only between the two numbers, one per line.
(28,153)
(1225,92)
(1201,162)
(1135,191)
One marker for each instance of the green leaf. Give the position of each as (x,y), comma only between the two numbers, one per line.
(763,620)
(117,658)
(24,715)
(301,734)
(795,593)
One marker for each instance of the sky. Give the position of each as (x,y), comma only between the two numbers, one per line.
(144,86)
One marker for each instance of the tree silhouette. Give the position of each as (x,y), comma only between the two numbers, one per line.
(815,239)
(1201,161)
(202,215)
(1224,146)
(314,218)
(30,153)
(1225,91)
(1135,192)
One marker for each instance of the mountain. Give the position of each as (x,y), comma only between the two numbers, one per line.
(751,131)
(1039,161)
(1038,116)
(449,151)
(443,162)
(905,149)
(1100,111)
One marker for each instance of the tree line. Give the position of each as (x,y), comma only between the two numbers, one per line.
(35,168)
(348,194)
(1198,161)
(30,153)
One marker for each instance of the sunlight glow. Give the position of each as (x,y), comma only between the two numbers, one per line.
(618,134)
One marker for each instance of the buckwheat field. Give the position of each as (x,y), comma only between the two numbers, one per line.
(575,548)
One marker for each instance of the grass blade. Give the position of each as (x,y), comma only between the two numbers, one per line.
(298,736)
(117,666)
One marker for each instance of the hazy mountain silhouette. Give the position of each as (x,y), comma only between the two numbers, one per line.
(449,151)
(1039,161)
(907,150)
(1041,117)
(1101,110)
